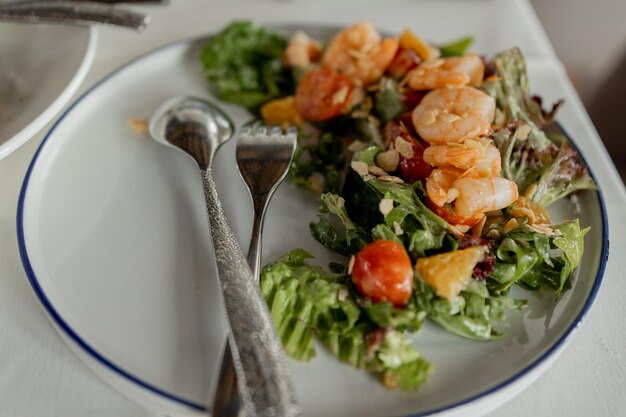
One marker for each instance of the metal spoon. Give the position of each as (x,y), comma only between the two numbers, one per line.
(73,13)
(198,128)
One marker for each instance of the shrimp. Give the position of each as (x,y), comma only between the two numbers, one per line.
(477,155)
(480,194)
(439,183)
(359,53)
(302,51)
(448,72)
(453,114)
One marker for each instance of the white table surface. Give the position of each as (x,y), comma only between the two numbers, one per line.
(40,376)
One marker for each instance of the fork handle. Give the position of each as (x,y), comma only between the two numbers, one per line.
(259,203)
(259,360)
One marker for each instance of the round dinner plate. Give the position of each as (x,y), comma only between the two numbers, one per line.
(41,67)
(113,237)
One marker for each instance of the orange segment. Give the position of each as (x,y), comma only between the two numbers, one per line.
(448,273)
(410,40)
(282,112)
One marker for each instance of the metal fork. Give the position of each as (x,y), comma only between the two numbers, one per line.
(263,158)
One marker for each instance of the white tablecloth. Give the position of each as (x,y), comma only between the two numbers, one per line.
(40,376)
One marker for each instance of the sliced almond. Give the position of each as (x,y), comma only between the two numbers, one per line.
(374,170)
(359,167)
(139,126)
(391,178)
(385,206)
(511,225)
(388,160)
(404,147)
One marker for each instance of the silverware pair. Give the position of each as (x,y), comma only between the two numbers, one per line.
(254,352)
(76,12)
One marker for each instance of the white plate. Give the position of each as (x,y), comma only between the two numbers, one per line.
(113,237)
(41,67)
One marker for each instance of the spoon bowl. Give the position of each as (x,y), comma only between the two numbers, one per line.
(192,125)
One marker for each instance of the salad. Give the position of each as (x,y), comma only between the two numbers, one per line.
(433,169)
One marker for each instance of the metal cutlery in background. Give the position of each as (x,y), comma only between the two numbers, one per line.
(72,12)
(263,158)
(135,2)
(198,128)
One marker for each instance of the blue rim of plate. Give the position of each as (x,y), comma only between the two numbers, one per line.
(604,253)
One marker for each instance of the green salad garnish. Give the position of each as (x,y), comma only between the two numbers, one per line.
(433,169)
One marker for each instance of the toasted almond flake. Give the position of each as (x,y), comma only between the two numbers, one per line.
(374,170)
(397,229)
(357,146)
(391,178)
(139,126)
(373,88)
(342,294)
(390,381)
(430,117)
(373,120)
(359,167)
(388,160)
(351,264)
(493,78)
(493,234)
(530,191)
(316,184)
(519,212)
(458,230)
(404,147)
(452,194)
(511,225)
(474,132)
(356,54)
(543,229)
(500,118)
(340,96)
(477,229)
(359,114)
(447,117)
(432,64)
(522,132)
(385,206)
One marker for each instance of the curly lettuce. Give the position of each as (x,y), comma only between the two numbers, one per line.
(529,157)
(305,301)
(243,64)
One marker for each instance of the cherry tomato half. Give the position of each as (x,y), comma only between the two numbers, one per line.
(322,94)
(382,271)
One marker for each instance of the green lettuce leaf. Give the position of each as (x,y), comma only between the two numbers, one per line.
(421,230)
(305,301)
(474,314)
(388,101)
(402,365)
(536,261)
(243,64)
(457,47)
(528,155)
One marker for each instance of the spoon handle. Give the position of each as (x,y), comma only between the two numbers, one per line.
(75,13)
(258,357)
